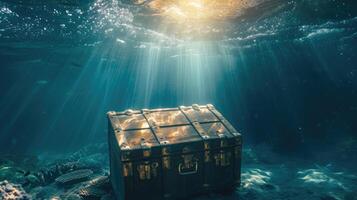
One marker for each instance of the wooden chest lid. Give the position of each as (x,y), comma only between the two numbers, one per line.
(137,129)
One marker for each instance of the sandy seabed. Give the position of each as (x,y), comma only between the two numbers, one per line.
(265,175)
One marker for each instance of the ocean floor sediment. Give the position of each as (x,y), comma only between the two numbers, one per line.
(84,175)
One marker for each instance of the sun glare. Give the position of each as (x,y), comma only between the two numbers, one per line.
(183,10)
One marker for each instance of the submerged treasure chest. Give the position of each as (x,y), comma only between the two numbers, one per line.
(172,153)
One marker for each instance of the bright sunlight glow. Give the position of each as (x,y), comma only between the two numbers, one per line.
(183,10)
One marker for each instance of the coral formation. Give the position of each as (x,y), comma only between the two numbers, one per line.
(10,191)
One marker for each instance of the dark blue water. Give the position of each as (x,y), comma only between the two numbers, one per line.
(283,72)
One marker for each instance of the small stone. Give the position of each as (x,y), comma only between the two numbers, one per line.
(100,182)
(8,188)
(91,192)
(32,179)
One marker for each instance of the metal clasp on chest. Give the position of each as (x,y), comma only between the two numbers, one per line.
(127,169)
(165,158)
(147,170)
(189,164)
(223,159)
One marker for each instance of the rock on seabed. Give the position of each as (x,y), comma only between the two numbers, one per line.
(10,191)
(74,177)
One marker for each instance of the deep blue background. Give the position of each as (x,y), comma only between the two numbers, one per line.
(287,78)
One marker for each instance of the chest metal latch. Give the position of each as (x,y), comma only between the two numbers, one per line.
(223,159)
(147,171)
(189,164)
